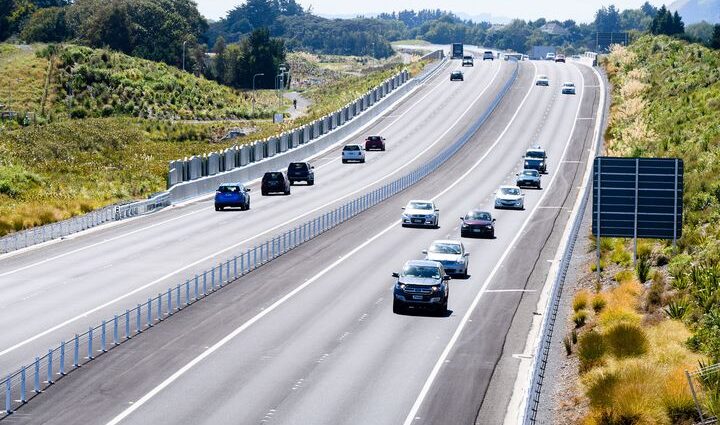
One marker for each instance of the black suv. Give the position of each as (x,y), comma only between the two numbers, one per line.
(535,159)
(275,182)
(301,172)
(457,76)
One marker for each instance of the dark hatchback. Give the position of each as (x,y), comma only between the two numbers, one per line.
(421,283)
(301,172)
(457,76)
(477,223)
(375,143)
(275,182)
(232,195)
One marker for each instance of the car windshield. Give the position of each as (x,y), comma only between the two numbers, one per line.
(532,173)
(510,191)
(457,73)
(478,215)
(420,206)
(351,148)
(534,154)
(421,271)
(229,189)
(445,248)
(569,85)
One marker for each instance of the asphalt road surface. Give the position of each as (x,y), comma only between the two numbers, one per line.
(311,338)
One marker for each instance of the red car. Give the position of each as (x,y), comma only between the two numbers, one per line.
(375,143)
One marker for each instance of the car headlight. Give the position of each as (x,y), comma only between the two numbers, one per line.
(405,216)
(465,226)
(489,226)
(400,285)
(435,288)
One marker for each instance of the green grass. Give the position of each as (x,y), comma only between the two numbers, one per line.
(411,42)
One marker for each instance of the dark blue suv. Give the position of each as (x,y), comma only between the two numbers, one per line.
(232,195)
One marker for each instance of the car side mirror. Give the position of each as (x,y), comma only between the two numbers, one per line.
(424,251)
(517,174)
(493,220)
(247,189)
(312,167)
(446,277)
(467,254)
(437,209)
(402,208)
(396,275)
(462,218)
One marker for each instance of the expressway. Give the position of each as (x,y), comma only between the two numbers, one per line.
(54,291)
(311,338)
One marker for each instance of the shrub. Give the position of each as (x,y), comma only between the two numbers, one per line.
(644,250)
(580,317)
(580,301)
(591,349)
(626,340)
(624,276)
(568,346)
(78,113)
(643,269)
(654,294)
(598,303)
(593,266)
(574,336)
(677,309)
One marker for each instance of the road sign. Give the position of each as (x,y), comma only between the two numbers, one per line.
(638,197)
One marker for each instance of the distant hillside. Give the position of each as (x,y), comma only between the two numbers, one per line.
(87,82)
(694,11)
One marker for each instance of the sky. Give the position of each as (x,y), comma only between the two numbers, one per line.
(579,10)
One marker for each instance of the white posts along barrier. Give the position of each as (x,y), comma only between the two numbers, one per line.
(177,297)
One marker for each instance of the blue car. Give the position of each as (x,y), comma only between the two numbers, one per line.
(232,195)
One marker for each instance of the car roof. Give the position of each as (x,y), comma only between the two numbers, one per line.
(531,170)
(536,150)
(353,144)
(507,186)
(231,184)
(478,210)
(568,83)
(421,200)
(447,241)
(422,263)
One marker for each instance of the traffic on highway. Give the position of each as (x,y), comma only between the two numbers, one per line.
(404,314)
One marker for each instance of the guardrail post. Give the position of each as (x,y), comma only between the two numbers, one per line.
(187,292)
(127,323)
(37,375)
(62,358)
(235,267)
(242,264)
(90,348)
(76,352)
(169,302)
(148,304)
(204,283)
(50,366)
(227,270)
(254,258)
(8,396)
(138,319)
(197,292)
(103,340)
(159,305)
(23,383)
(116,336)
(220,275)
(212,279)
(178,297)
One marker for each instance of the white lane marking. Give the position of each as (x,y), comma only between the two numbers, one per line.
(406,164)
(210,256)
(451,344)
(175,376)
(500,291)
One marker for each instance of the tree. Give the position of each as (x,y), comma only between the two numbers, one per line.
(46,26)
(715,42)
(649,10)
(678,27)
(220,59)
(667,23)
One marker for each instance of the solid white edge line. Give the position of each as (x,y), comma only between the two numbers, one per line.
(461,326)
(272,229)
(515,412)
(152,393)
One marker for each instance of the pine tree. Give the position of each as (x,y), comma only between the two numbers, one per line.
(715,42)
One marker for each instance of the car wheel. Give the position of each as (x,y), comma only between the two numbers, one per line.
(287,192)
(217,208)
(247,206)
(362,161)
(311,182)
(344,161)
(465,274)
(442,310)
(492,235)
(383,149)
(264,193)
(398,307)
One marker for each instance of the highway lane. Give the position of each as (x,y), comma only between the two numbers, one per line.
(333,352)
(52,292)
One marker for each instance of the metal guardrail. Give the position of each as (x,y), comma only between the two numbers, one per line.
(61,229)
(701,381)
(550,315)
(33,378)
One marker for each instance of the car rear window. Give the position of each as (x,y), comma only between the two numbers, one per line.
(273,176)
(445,248)
(229,189)
(298,166)
(420,206)
(351,148)
(478,215)
(535,154)
(374,138)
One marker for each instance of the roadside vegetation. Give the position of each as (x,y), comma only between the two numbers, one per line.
(645,324)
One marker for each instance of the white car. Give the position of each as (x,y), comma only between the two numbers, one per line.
(550,56)
(421,213)
(451,254)
(568,88)
(542,80)
(510,197)
(353,153)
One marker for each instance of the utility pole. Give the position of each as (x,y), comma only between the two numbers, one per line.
(253,90)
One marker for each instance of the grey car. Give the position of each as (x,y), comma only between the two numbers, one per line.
(421,283)
(528,178)
(451,254)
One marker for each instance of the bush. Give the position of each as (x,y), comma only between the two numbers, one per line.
(654,294)
(568,346)
(581,300)
(598,303)
(624,276)
(580,317)
(643,269)
(78,113)
(591,349)
(677,309)
(626,340)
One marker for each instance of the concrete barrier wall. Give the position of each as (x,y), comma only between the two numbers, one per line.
(255,170)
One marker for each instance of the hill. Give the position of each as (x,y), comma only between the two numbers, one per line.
(84,82)
(694,11)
